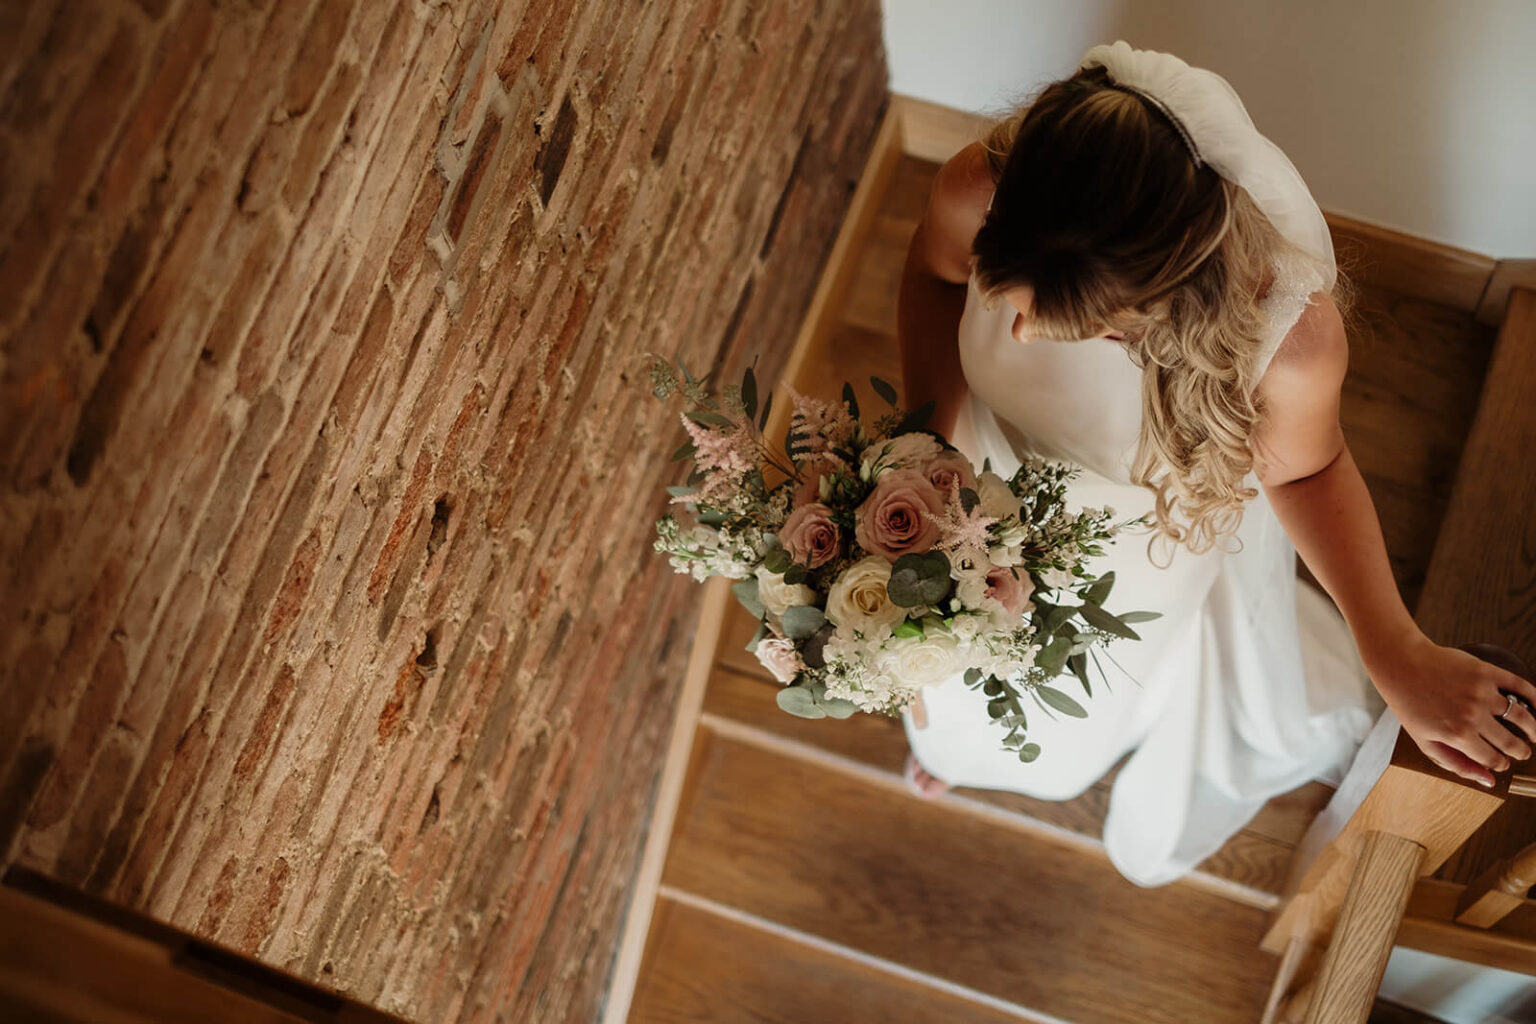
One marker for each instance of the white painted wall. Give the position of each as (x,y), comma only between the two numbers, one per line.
(1418,115)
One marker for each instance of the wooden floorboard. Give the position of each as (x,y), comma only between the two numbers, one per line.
(1042,924)
(705,968)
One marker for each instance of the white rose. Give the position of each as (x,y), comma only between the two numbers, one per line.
(996,499)
(925,660)
(903,452)
(859,601)
(778,656)
(778,596)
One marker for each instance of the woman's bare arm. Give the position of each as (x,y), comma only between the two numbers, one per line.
(1445,699)
(933,280)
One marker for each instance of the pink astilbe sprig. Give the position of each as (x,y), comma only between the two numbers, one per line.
(725,455)
(961,530)
(819,426)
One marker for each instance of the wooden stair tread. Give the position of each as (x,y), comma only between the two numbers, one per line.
(1257,857)
(1039,923)
(707,968)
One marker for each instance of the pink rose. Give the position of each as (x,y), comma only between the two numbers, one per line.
(948,470)
(779,657)
(899,515)
(810,536)
(1010,590)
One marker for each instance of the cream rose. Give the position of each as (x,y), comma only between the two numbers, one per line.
(859,601)
(923,661)
(810,536)
(778,656)
(899,516)
(778,596)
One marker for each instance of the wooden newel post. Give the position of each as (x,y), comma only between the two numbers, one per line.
(1362,941)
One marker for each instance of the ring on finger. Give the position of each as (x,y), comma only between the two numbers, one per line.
(1513,702)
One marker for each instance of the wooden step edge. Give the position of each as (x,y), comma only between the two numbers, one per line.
(808,753)
(624,976)
(1429,925)
(837,949)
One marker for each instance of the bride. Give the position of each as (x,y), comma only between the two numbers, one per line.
(1127,276)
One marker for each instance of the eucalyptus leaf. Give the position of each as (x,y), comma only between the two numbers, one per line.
(813,652)
(758,637)
(1099,591)
(1057,617)
(993,686)
(746,593)
(1028,752)
(1130,617)
(678,491)
(762,421)
(713,419)
(777,560)
(796,574)
(851,400)
(1079,665)
(969,499)
(797,701)
(818,690)
(996,708)
(1053,656)
(1101,619)
(1061,702)
(884,390)
(972,676)
(919,579)
(687,451)
(803,620)
(836,707)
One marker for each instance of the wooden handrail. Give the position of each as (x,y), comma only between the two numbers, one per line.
(1498,891)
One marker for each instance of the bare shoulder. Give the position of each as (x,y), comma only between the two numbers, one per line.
(1314,353)
(957,206)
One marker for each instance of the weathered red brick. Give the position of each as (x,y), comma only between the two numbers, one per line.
(343,483)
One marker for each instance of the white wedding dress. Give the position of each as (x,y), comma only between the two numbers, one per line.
(1248,686)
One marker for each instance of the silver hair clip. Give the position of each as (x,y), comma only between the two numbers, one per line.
(1178,125)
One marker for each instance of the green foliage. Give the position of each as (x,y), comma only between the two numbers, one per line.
(884,390)
(1060,701)
(1098,618)
(746,593)
(801,621)
(919,579)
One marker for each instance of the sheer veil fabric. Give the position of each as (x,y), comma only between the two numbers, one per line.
(1250,684)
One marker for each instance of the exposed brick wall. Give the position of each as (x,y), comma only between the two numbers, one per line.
(329,623)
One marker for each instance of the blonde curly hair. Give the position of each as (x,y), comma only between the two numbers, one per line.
(1100,210)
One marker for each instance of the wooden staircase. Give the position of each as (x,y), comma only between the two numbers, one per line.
(1407,854)
(793,878)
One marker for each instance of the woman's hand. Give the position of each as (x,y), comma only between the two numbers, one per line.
(1450,701)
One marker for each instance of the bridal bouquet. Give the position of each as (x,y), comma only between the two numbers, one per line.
(879,561)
